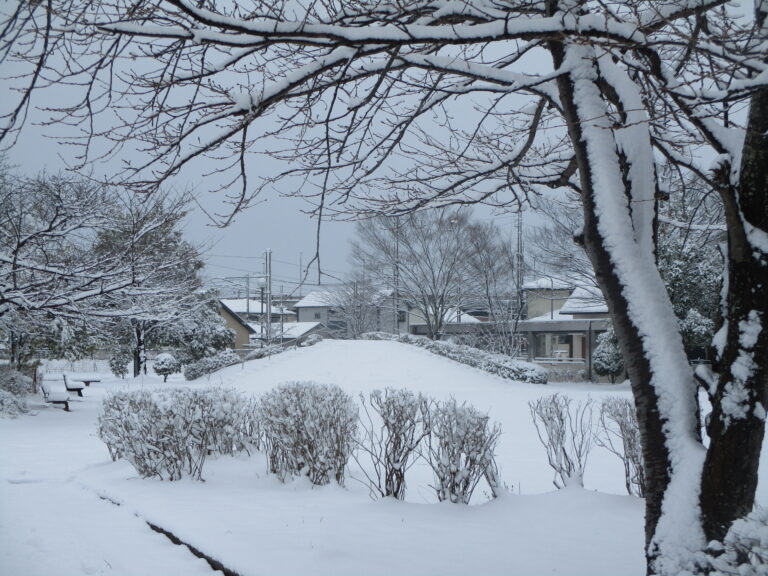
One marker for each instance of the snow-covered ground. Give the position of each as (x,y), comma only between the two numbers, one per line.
(59,492)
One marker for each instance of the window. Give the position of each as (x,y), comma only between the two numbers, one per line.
(401,316)
(317,315)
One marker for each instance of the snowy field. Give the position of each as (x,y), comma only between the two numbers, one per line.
(67,509)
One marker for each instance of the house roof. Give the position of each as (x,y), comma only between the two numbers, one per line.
(242,305)
(547,284)
(315,299)
(291,330)
(585,300)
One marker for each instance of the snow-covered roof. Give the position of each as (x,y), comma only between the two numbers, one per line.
(291,330)
(242,306)
(547,284)
(585,300)
(315,299)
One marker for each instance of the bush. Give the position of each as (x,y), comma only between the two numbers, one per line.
(165,365)
(566,433)
(11,404)
(15,382)
(498,364)
(311,340)
(167,434)
(211,364)
(744,552)
(461,449)
(391,437)
(263,352)
(607,359)
(309,430)
(619,433)
(119,361)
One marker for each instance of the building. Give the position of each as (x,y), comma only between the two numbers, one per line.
(566,326)
(253,310)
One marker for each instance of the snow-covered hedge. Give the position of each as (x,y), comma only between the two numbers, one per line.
(211,364)
(744,552)
(15,382)
(165,364)
(461,450)
(309,429)
(311,340)
(167,434)
(260,353)
(12,405)
(494,363)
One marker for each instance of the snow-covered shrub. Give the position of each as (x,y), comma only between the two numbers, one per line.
(619,433)
(461,450)
(168,433)
(498,364)
(309,429)
(607,359)
(311,340)
(15,382)
(697,330)
(165,364)
(11,404)
(391,437)
(118,362)
(744,551)
(264,352)
(211,364)
(566,431)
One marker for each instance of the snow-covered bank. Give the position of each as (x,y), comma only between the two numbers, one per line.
(53,471)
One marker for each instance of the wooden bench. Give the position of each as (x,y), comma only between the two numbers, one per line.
(54,397)
(73,387)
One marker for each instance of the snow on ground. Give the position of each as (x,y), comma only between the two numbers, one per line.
(59,490)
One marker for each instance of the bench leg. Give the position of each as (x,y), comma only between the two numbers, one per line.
(66,406)
(80,393)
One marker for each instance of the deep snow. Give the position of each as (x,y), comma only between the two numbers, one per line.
(58,495)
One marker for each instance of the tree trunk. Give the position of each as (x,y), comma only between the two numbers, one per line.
(624,265)
(737,424)
(138,349)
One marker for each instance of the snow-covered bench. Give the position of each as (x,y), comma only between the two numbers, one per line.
(54,397)
(74,386)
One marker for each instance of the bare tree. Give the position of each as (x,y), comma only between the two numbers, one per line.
(423,257)
(492,282)
(342,88)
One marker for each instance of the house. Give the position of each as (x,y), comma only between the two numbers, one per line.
(253,310)
(327,307)
(236,323)
(565,330)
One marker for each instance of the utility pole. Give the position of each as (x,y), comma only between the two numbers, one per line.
(301,272)
(396,295)
(269,295)
(248,296)
(282,313)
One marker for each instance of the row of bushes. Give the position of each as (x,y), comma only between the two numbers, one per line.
(498,364)
(567,430)
(305,429)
